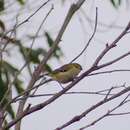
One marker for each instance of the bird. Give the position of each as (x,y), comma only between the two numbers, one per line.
(66,73)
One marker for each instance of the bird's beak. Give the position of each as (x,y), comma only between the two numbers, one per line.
(81,68)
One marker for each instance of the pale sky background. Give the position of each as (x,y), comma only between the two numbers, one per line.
(74,39)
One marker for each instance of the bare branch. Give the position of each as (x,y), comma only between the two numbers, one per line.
(73,120)
(95,121)
(119,114)
(115,60)
(101,92)
(90,39)
(34,38)
(83,114)
(108,93)
(29,17)
(113,44)
(108,113)
(110,71)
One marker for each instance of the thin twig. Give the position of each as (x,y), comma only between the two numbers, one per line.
(115,60)
(76,118)
(16,26)
(34,38)
(108,93)
(109,71)
(83,114)
(112,45)
(108,113)
(90,39)
(100,92)
(10,84)
(29,17)
(15,99)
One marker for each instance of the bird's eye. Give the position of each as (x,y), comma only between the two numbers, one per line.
(63,70)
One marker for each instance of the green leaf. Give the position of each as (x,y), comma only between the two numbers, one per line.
(48,68)
(58,52)
(18,86)
(1,5)
(11,111)
(22,2)
(6,67)
(116,3)
(5,123)
(3,89)
(32,55)
(2,25)
(50,41)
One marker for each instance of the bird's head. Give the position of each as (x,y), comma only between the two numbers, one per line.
(78,66)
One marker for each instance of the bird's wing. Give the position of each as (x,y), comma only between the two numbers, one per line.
(64,68)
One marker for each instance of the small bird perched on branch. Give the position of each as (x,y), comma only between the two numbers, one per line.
(66,73)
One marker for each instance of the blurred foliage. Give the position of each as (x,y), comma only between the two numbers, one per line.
(2,26)
(1,5)
(30,55)
(116,3)
(8,71)
(5,71)
(58,52)
(22,2)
